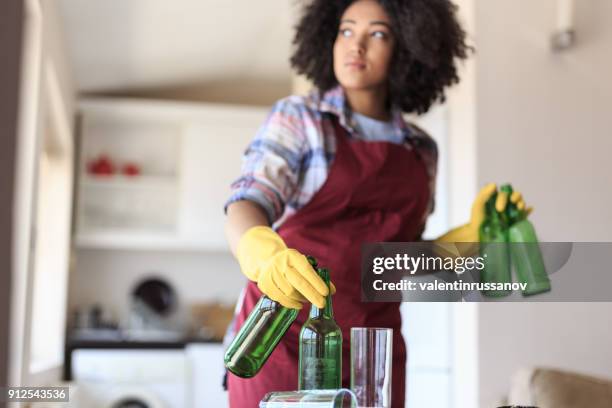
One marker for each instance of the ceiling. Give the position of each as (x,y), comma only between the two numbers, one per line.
(117,45)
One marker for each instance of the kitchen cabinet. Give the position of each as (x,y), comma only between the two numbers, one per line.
(146,377)
(185,156)
(170,374)
(208,370)
(429,333)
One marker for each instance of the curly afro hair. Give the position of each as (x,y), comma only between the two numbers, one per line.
(428,43)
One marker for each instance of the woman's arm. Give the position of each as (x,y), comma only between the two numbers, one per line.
(242,215)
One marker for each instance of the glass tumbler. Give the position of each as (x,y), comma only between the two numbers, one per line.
(339,398)
(371,359)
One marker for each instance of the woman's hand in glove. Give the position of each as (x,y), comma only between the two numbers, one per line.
(283,274)
(516,198)
(470,232)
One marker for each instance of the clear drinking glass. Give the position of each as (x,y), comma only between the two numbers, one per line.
(371,358)
(340,398)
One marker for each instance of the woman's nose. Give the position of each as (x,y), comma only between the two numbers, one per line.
(358,45)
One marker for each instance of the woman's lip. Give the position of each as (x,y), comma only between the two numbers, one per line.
(355,64)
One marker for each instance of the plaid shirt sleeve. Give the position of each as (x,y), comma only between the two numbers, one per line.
(271,162)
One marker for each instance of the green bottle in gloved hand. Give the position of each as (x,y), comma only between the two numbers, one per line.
(258,336)
(320,355)
(494,250)
(524,249)
(264,327)
(287,279)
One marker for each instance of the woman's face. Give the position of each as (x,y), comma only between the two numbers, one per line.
(364,46)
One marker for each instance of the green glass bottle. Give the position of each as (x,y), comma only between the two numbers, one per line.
(525,249)
(260,333)
(320,358)
(258,336)
(494,250)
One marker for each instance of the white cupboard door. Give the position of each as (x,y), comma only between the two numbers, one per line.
(208,370)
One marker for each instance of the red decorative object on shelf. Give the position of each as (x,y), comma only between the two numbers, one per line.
(102,166)
(131,169)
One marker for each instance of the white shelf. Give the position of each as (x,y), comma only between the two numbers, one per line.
(127,239)
(145,240)
(130,182)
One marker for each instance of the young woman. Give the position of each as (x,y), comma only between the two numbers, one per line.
(340,167)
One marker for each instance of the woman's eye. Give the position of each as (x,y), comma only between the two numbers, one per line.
(379,34)
(345,32)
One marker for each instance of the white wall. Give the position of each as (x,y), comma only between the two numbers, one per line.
(544,119)
(47,97)
(543,122)
(56,52)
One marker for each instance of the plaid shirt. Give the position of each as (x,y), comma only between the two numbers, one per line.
(291,155)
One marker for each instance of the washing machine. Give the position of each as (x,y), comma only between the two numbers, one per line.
(129,378)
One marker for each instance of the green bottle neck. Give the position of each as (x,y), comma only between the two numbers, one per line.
(512,212)
(327,310)
(490,211)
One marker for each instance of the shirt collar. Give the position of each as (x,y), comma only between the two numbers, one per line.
(334,101)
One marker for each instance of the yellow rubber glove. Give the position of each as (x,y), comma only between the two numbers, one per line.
(516,198)
(283,274)
(470,232)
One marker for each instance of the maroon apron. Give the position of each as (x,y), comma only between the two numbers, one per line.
(375,191)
